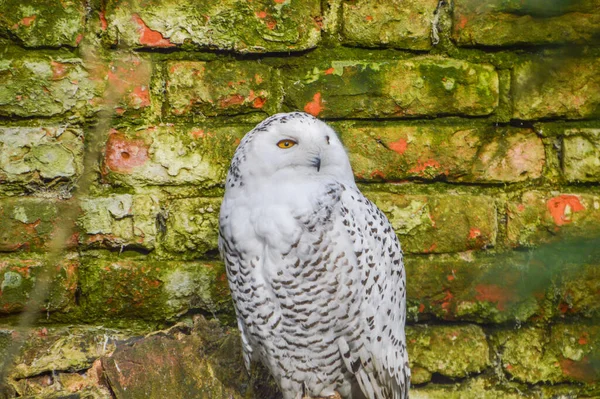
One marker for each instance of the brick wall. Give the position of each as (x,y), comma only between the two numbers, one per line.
(475,126)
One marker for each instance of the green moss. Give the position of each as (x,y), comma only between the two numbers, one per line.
(38,86)
(43,23)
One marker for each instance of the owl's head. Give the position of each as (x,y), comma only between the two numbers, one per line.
(288,146)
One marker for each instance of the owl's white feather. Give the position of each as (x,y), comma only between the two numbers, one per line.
(315,269)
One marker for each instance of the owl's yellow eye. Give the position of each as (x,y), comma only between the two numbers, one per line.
(287,143)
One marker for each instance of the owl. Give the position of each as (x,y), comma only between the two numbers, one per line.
(315,269)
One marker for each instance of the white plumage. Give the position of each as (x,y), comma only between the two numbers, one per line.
(315,269)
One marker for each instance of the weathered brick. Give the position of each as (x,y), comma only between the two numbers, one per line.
(19,275)
(218,88)
(454,153)
(43,23)
(555,280)
(246,27)
(151,290)
(43,87)
(506,23)
(559,353)
(401,88)
(31,223)
(399,24)
(442,223)
(564,87)
(170,155)
(39,159)
(577,265)
(119,220)
(192,226)
(581,155)
(453,351)
(543,217)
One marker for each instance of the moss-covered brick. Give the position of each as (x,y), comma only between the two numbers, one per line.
(472,388)
(440,223)
(539,217)
(40,159)
(579,289)
(41,86)
(245,27)
(31,223)
(564,87)
(488,288)
(221,88)
(43,23)
(399,24)
(192,226)
(19,275)
(581,155)
(452,351)
(420,86)
(128,84)
(454,153)
(531,22)
(170,155)
(151,290)
(559,353)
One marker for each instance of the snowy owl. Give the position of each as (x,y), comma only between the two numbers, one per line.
(315,269)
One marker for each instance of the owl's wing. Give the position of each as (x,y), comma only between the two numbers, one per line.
(233,259)
(378,358)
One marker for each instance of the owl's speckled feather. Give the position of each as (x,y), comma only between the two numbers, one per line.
(315,269)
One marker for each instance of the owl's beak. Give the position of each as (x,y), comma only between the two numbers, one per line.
(317,163)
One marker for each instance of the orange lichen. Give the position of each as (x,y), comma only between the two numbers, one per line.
(474,233)
(494,294)
(315,107)
(399,146)
(27,21)
(562,207)
(423,165)
(234,99)
(123,154)
(103,21)
(148,36)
